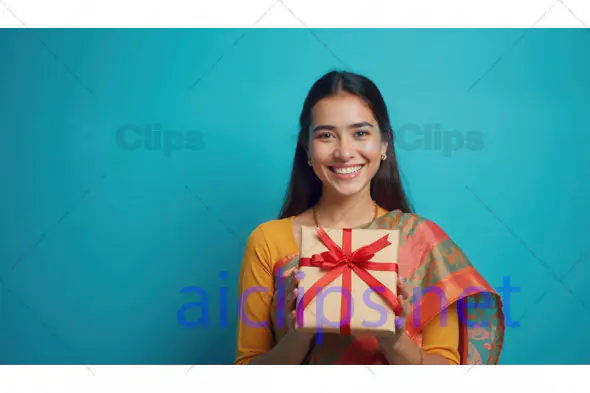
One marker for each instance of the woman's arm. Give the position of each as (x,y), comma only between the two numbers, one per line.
(293,346)
(292,349)
(256,287)
(440,343)
(406,352)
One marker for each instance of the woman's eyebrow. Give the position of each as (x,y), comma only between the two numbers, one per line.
(331,128)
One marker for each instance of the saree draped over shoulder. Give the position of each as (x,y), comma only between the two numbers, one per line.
(454,311)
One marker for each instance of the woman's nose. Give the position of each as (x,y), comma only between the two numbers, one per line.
(344,151)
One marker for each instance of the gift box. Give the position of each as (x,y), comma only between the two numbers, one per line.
(348,281)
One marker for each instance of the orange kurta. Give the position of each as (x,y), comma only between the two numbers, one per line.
(273,241)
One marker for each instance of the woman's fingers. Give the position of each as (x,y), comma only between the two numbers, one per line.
(406,308)
(401,289)
(293,282)
(291,298)
(291,289)
(403,295)
(295,278)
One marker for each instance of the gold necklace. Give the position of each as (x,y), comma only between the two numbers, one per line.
(315,216)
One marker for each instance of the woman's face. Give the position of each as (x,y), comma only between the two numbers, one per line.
(345,144)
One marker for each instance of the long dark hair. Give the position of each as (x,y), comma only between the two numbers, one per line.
(305,188)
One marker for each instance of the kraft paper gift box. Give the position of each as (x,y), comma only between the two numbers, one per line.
(342,264)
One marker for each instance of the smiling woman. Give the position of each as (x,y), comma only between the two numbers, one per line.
(345,175)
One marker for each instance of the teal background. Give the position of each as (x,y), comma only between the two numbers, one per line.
(97,241)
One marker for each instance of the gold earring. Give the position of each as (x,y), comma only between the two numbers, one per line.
(309,162)
(383,156)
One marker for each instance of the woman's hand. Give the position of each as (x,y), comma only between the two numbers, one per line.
(400,348)
(292,346)
(289,307)
(387,344)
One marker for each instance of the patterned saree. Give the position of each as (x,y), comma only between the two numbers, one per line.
(432,264)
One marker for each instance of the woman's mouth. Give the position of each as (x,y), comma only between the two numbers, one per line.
(347,172)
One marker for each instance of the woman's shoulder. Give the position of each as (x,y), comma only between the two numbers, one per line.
(412,224)
(272,241)
(425,243)
(271,227)
(275,235)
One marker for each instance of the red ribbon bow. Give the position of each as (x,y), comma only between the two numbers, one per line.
(343,261)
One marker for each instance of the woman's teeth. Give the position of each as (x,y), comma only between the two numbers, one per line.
(346,171)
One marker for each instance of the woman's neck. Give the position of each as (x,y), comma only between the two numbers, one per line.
(345,212)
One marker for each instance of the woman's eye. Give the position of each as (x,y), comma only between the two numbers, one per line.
(362,133)
(324,135)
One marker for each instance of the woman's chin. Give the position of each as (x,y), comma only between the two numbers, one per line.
(347,190)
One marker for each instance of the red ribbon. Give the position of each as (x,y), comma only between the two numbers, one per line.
(343,261)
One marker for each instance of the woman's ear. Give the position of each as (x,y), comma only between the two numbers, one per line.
(384,147)
(309,159)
